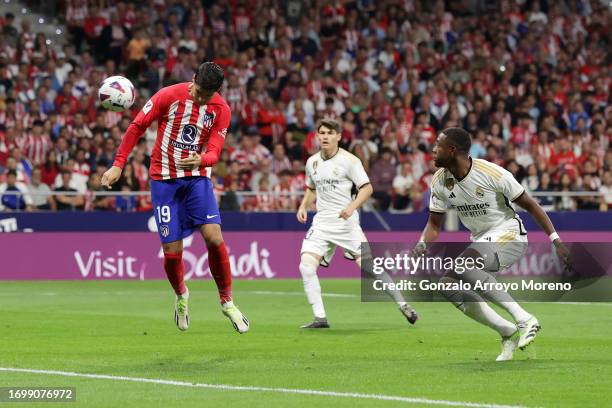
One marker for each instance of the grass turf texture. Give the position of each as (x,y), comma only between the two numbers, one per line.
(127,329)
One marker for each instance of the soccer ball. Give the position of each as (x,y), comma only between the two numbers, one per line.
(116,93)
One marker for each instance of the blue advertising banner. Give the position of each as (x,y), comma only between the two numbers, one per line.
(252,221)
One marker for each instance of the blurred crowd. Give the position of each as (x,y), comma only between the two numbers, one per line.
(530,80)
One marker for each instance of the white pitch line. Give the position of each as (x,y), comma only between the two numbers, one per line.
(272,292)
(228,387)
(287,293)
(349,295)
(582,303)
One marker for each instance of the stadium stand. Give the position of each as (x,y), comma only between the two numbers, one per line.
(530,80)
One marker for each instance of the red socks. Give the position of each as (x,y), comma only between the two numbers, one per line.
(218,261)
(173,264)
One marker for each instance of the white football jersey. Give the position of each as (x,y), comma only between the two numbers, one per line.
(333,180)
(482,198)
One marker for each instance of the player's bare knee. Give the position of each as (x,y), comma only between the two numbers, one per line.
(212,234)
(172,247)
(213,241)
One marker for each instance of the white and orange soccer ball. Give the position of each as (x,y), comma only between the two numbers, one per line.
(116,93)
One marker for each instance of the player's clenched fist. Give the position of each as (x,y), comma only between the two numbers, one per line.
(347,212)
(419,249)
(111,176)
(563,253)
(302,215)
(189,163)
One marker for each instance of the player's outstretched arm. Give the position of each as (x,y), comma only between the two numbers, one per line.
(526,202)
(302,212)
(134,132)
(129,140)
(365,192)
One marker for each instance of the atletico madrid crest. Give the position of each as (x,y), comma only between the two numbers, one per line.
(208,120)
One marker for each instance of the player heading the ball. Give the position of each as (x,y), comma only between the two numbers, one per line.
(192,123)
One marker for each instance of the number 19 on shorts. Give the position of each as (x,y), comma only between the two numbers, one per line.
(163,213)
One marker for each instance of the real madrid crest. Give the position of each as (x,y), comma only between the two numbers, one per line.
(336,172)
(479,192)
(449,183)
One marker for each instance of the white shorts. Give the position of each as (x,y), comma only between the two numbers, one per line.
(504,245)
(323,242)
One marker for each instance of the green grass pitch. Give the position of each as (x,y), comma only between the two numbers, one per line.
(127,329)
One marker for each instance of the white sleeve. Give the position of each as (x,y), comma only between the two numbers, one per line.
(309,182)
(508,186)
(357,174)
(437,202)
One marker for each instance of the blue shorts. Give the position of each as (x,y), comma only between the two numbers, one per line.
(180,205)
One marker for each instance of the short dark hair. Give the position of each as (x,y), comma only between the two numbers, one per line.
(330,124)
(11,173)
(209,76)
(459,138)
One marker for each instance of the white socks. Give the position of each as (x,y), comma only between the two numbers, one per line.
(499,297)
(312,287)
(518,313)
(483,313)
(395,294)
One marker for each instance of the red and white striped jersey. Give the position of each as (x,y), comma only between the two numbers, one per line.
(235,97)
(183,127)
(35,148)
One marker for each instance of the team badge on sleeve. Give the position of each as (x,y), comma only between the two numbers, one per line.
(164,230)
(148,106)
(208,120)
